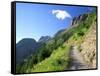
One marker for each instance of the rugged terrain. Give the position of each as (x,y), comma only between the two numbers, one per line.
(88,47)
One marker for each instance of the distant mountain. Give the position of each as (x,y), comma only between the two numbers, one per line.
(27,46)
(44,39)
(24,48)
(59,32)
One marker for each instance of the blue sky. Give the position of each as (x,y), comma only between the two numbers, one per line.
(36,20)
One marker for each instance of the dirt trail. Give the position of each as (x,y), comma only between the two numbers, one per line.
(77,61)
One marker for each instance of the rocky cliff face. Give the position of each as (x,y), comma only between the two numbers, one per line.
(77,20)
(44,39)
(88,47)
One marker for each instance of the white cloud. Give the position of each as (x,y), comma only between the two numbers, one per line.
(61,14)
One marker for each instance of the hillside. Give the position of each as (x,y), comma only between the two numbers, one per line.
(24,48)
(55,55)
(44,39)
(88,47)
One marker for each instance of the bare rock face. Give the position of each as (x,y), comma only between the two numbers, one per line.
(89,47)
(77,20)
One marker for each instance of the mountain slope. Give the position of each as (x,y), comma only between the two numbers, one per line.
(55,54)
(88,47)
(24,48)
(76,38)
(44,39)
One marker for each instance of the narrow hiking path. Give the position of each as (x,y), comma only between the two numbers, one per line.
(77,61)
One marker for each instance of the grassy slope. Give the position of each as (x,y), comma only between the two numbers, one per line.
(57,61)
